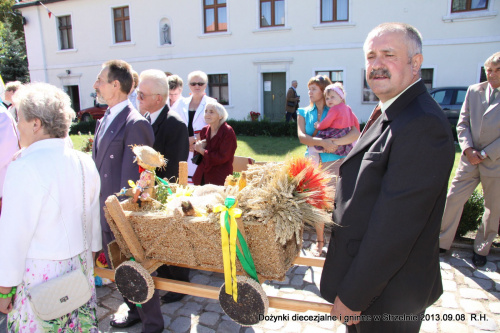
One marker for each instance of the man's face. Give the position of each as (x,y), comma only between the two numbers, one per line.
(294,84)
(103,89)
(174,95)
(389,71)
(493,75)
(148,101)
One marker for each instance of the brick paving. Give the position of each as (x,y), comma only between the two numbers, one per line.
(470,302)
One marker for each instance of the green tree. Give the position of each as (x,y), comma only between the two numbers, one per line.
(13,60)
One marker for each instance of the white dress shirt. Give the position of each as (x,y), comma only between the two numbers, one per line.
(42,207)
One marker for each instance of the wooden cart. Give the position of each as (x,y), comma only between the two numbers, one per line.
(121,222)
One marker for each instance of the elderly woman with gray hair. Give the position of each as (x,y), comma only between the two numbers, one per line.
(215,148)
(50,214)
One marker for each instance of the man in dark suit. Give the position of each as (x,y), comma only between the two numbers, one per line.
(292,102)
(383,257)
(171,140)
(121,127)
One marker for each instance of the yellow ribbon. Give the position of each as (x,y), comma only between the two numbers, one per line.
(229,247)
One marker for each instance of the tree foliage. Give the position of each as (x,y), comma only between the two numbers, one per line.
(13,59)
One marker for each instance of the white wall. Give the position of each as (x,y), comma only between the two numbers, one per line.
(455,46)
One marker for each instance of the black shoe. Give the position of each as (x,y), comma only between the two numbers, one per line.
(479,260)
(441,251)
(171,297)
(126,323)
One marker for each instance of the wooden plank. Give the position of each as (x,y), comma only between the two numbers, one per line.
(306,261)
(200,290)
(123,224)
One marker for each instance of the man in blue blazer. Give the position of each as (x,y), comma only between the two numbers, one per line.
(383,258)
(121,127)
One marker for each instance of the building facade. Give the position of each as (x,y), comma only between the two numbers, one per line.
(252,49)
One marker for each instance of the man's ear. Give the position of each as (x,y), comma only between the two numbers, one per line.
(416,63)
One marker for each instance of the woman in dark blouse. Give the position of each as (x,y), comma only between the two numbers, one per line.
(217,145)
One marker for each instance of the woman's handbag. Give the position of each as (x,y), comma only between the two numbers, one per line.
(197,158)
(66,293)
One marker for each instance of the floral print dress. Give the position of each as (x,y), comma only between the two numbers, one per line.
(23,319)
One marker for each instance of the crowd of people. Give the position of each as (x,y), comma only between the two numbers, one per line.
(390,182)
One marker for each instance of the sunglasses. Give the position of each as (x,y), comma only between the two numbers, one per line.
(192,84)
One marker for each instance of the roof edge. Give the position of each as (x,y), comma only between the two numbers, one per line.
(33,3)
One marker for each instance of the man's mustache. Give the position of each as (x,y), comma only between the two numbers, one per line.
(379,72)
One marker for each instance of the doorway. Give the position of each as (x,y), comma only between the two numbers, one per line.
(274,87)
(74,95)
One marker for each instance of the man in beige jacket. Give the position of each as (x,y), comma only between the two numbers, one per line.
(479,138)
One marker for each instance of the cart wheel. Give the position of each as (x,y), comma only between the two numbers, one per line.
(134,282)
(252,302)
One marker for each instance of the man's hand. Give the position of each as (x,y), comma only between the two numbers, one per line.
(344,314)
(473,156)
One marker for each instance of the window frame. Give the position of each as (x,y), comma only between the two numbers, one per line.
(273,13)
(330,71)
(215,6)
(211,86)
(124,19)
(428,81)
(468,4)
(334,20)
(69,31)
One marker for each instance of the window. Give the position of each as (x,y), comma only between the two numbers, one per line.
(334,10)
(427,75)
(65,32)
(122,24)
(218,88)
(468,5)
(272,13)
(215,15)
(335,76)
(482,76)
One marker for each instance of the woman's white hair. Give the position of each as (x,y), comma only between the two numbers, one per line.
(200,74)
(49,104)
(221,110)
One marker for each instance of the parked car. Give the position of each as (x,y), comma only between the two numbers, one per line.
(451,100)
(95,112)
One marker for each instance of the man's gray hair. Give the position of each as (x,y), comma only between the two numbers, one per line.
(221,110)
(49,104)
(159,79)
(493,60)
(412,36)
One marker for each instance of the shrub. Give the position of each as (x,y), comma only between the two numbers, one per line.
(83,127)
(265,128)
(472,214)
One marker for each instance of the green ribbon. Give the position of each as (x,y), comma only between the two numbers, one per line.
(245,257)
(164,182)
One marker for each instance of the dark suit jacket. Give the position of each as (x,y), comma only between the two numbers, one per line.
(389,203)
(114,158)
(291,96)
(172,141)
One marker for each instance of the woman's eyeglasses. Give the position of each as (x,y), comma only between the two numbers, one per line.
(192,84)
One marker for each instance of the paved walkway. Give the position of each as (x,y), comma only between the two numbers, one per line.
(470,302)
